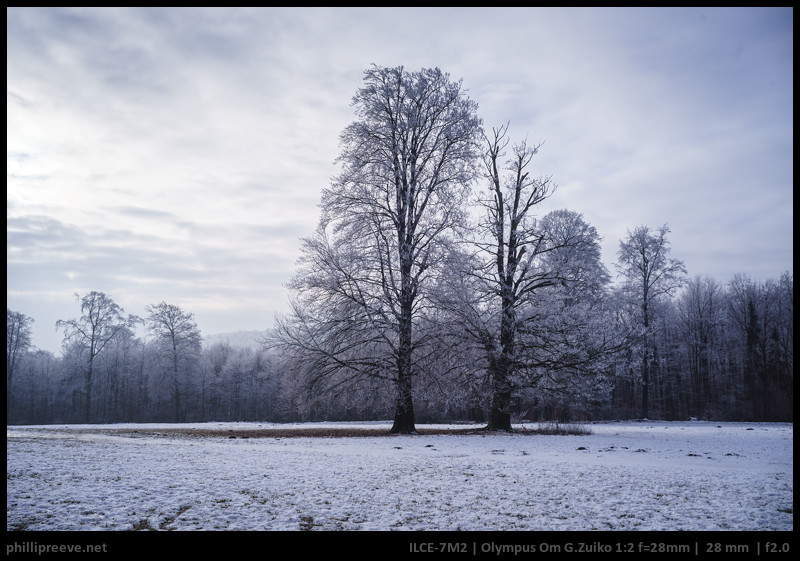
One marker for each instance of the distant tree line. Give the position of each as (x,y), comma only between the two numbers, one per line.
(106,374)
(719,351)
(434,290)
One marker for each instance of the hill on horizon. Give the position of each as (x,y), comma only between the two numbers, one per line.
(252,339)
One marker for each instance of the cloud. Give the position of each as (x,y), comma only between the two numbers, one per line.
(179,154)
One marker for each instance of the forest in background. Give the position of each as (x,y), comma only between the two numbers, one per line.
(724,352)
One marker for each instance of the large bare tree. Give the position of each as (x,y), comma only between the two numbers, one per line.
(406,166)
(511,232)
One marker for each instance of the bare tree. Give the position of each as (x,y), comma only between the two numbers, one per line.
(649,274)
(178,343)
(101,322)
(511,275)
(528,296)
(700,321)
(407,163)
(18,343)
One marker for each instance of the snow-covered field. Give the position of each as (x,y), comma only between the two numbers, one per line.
(650,475)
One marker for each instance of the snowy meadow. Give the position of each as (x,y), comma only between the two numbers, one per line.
(621,476)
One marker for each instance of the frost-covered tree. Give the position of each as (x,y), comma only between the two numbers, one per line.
(41,399)
(649,274)
(762,320)
(177,342)
(101,321)
(700,315)
(406,165)
(530,274)
(568,334)
(509,275)
(18,344)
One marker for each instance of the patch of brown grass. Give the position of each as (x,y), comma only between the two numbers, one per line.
(274,432)
(325,432)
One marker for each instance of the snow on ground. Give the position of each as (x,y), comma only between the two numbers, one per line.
(650,475)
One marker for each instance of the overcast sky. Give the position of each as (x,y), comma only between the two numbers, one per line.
(178,155)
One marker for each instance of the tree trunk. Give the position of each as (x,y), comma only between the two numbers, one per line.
(645,385)
(175,387)
(500,414)
(404,416)
(500,417)
(87,407)
(404,405)
(502,368)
